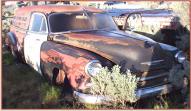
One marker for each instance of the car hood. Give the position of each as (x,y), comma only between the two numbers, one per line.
(130,50)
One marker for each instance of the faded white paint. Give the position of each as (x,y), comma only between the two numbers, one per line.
(32,45)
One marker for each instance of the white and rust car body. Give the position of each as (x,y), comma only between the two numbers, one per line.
(69,43)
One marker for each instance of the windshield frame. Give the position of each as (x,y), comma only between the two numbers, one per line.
(86,13)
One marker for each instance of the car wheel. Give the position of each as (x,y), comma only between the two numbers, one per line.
(16,56)
(13,51)
(7,43)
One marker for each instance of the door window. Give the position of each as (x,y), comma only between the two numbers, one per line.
(38,23)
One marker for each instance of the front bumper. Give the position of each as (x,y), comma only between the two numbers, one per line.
(140,93)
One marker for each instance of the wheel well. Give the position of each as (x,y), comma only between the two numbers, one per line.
(58,76)
(55,72)
(64,82)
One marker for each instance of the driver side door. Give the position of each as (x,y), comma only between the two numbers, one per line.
(36,35)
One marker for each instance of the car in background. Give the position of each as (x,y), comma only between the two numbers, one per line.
(161,25)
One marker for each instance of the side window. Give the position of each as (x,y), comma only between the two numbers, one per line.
(38,23)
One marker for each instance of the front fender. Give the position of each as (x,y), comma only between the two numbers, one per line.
(70,59)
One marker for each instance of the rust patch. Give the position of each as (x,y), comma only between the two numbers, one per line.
(60,77)
(73,63)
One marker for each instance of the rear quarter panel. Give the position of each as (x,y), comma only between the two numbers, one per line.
(20,35)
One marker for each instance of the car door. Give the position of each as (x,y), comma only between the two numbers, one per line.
(36,35)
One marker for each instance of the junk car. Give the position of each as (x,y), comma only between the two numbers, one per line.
(160,25)
(69,44)
(156,19)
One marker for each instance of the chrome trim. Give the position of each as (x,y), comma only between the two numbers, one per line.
(167,47)
(179,58)
(87,65)
(152,62)
(90,99)
(152,77)
(151,91)
(177,54)
(140,93)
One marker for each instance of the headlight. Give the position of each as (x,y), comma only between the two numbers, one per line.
(93,67)
(180,57)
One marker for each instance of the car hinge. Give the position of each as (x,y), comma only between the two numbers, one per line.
(50,37)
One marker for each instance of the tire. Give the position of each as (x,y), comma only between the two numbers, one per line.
(11,45)
(15,54)
(7,43)
(13,49)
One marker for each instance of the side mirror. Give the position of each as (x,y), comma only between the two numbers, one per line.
(133,21)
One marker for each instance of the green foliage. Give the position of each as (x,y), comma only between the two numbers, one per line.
(119,87)
(7,15)
(162,104)
(176,76)
(49,93)
(8,59)
(92,106)
(20,86)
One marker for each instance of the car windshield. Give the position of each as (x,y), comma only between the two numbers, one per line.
(62,22)
(102,21)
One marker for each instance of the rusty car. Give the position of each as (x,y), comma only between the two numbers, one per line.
(155,18)
(69,44)
(161,25)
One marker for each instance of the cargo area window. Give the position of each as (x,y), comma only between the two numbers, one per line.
(38,23)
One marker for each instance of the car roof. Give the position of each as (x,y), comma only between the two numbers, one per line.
(56,8)
(22,15)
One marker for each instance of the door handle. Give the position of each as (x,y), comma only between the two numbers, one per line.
(38,39)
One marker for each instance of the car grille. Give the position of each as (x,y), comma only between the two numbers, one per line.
(153,78)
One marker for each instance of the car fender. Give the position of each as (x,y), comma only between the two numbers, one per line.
(66,58)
